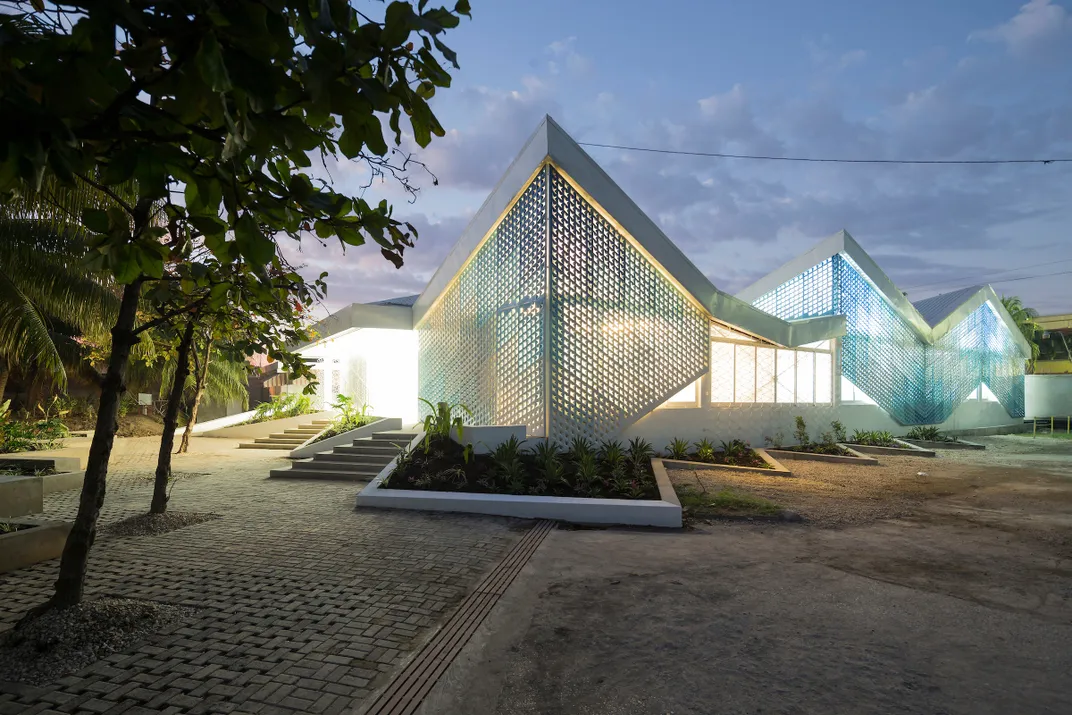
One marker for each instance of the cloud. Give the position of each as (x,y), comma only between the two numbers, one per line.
(564,56)
(475,154)
(1038,24)
(728,119)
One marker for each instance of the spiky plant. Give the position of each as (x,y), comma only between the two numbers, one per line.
(678,448)
(705,450)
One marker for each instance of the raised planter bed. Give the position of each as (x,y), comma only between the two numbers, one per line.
(664,511)
(62,482)
(953,444)
(904,449)
(854,457)
(776,468)
(33,541)
(311,447)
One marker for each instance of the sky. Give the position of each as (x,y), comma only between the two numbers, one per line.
(864,79)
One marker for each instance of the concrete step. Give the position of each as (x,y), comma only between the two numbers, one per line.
(291,437)
(372,460)
(251,445)
(325,465)
(310,473)
(279,440)
(320,423)
(394,435)
(368,450)
(395,444)
(303,430)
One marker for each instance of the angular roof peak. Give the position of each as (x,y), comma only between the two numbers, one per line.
(550,144)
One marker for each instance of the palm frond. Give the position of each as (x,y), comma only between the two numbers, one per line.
(24,335)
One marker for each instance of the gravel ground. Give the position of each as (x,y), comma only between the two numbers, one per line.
(153,524)
(64,641)
(1014,472)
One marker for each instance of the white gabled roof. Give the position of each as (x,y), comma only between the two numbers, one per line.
(931,318)
(550,144)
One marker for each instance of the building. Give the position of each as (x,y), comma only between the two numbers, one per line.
(564,308)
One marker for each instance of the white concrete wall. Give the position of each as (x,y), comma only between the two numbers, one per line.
(754,422)
(1047,395)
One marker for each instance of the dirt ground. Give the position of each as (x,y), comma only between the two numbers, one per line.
(944,593)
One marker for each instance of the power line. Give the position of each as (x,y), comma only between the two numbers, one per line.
(827,160)
(1024,278)
(984,277)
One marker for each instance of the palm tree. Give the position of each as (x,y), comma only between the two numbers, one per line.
(1024,318)
(46,290)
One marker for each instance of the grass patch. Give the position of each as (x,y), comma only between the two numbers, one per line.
(725,502)
(1052,435)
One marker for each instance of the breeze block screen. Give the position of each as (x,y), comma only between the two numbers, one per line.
(624,338)
(482,343)
(917,382)
(561,323)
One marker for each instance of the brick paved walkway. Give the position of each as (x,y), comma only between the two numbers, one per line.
(306,605)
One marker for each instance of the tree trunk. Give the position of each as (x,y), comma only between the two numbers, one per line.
(202,376)
(75,559)
(4,373)
(171,419)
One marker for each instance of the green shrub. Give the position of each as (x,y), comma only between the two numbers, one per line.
(801,432)
(678,449)
(32,434)
(282,406)
(705,450)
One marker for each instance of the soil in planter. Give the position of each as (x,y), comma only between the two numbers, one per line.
(443,468)
(832,449)
(25,469)
(749,459)
(9,527)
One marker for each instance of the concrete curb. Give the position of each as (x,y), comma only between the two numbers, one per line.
(959,444)
(779,468)
(905,450)
(855,458)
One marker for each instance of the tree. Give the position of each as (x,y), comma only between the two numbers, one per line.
(275,316)
(1024,318)
(212,110)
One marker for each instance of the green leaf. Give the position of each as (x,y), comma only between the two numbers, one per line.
(254,246)
(210,62)
(96,220)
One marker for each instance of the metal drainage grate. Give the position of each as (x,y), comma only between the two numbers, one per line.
(404,694)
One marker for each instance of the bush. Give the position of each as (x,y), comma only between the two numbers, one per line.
(31,434)
(350,417)
(873,438)
(282,406)
(928,434)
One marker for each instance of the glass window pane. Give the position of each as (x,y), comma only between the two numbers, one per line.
(823,378)
(821,345)
(764,374)
(721,372)
(687,396)
(787,368)
(744,374)
(805,377)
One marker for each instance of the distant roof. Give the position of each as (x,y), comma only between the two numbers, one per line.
(936,308)
(406,300)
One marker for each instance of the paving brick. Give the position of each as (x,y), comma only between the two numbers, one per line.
(301,601)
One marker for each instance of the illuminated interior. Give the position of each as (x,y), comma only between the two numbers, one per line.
(373,366)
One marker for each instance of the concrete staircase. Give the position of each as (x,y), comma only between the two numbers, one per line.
(358,462)
(287,439)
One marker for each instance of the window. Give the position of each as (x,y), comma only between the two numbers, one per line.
(851,393)
(983,393)
(745,370)
(688,397)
